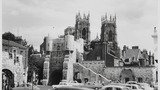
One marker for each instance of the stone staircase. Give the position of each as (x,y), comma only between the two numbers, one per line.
(94,77)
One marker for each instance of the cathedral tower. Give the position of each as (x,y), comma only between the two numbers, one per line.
(108,33)
(82,27)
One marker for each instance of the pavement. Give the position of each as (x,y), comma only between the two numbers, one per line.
(42,87)
(36,87)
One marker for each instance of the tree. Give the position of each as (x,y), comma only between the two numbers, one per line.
(8,36)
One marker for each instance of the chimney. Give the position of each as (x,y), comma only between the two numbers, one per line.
(124,50)
(135,47)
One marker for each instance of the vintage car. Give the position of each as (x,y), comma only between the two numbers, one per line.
(70,88)
(114,87)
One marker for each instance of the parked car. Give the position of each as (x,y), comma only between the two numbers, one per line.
(134,86)
(132,82)
(146,86)
(61,84)
(114,87)
(65,83)
(28,86)
(94,87)
(74,83)
(70,88)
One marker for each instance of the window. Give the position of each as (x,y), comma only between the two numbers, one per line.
(21,52)
(134,87)
(10,55)
(126,60)
(126,79)
(14,51)
(109,88)
(139,79)
(98,57)
(6,50)
(110,36)
(118,89)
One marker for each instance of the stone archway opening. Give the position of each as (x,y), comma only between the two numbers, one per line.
(55,77)
(77,77)
(7,79)
(127,75)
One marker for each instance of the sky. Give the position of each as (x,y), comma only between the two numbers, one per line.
(35,19)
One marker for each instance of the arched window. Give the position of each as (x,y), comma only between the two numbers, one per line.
(84,32)
(110,36)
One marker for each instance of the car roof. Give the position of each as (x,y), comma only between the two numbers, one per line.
(132,82)
(119,86)
(72,88)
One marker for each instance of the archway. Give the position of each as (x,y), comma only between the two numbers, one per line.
(55,77)
(127,75)
(7,79)
(77,77)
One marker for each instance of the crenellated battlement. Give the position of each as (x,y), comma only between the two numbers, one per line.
(104,19)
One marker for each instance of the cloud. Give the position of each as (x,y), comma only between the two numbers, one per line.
(37,17)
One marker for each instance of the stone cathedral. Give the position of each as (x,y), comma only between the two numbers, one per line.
(74,56)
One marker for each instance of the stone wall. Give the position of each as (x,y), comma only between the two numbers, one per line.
(146,73)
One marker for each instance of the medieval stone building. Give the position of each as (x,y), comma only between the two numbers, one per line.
(14,64)
(73,56)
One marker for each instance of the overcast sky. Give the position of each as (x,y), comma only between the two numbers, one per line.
(35,19)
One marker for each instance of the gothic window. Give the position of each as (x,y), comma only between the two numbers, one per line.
(84,32)
(58,47)
(110,36)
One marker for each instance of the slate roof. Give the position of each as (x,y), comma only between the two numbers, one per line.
(11,43)
(136,53)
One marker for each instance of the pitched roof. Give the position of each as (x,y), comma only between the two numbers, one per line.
(12,43)
(133,53)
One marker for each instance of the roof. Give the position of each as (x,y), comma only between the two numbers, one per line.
(133,53)
(118,86)
(96,39)
(12,43)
